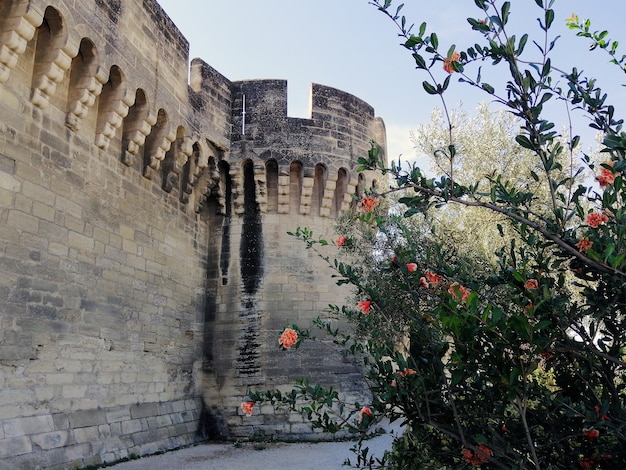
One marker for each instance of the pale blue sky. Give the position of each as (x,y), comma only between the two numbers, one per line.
(348,44)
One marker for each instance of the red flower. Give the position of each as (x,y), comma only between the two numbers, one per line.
(588,463)
(531,284)
(247,407)
(478,458)
(288,338)
(604,417)
(591,433)
(412,267)
(405,372)
(364,411)
(368,204)
(341,241)
(447,62)
(584,244)
(595,219)
(365,306)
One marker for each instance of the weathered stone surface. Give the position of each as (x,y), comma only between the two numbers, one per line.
(146,270)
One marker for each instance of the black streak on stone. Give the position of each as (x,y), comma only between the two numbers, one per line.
(251,255)
(225,251)
(251,247)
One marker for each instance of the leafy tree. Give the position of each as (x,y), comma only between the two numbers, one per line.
(491,364)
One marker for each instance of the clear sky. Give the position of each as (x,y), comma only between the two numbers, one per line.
(349,45)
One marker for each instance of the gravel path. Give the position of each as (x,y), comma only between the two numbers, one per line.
(259,456)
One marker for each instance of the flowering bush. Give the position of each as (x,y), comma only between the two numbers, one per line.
(513,364)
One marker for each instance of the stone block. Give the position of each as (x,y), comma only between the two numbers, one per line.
(51,440)
(14,446)
(28,425)
(85,418)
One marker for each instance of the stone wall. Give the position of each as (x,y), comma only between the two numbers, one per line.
(145,266)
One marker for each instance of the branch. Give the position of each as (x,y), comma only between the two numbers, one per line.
(567,248)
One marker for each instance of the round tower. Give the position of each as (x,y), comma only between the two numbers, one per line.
(284,173)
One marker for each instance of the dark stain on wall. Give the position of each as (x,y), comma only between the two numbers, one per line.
(251,247)
(225,251)
(251,256)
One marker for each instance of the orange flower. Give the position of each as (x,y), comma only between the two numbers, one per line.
(405,372)
(247,407)
(341,241)
(433,278)
(606,177)
(584,244)
(412,267)
(531,284)
(365,306)
(454,290)
(368,204)
(364,411)
(288,338)
(447,62)
(478,458)
(595,219)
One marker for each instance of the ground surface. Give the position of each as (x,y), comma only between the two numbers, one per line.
(259,456)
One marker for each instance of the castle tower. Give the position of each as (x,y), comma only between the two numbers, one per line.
(145,269)
(284,173)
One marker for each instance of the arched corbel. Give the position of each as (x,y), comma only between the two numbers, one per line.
(115,101)
(53,57)
(16,30)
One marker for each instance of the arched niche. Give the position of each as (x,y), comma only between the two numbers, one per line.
(50,59)
(112,107)
(340,191)
(136,127)
(271,184)
(319,185)
(296,176)
(85,84)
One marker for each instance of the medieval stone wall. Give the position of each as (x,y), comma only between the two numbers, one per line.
(145,270)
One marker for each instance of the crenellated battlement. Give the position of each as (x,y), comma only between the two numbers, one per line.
(144,207)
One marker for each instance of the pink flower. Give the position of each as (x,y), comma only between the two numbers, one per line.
(412,267)
(365,306)
(423,282)
(531,284)
(341,241)
(247,407)
(368,204)
(288,338)
(595,219)
(364,411)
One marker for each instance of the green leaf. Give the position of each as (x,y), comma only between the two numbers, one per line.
(524,142)
(431,90)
